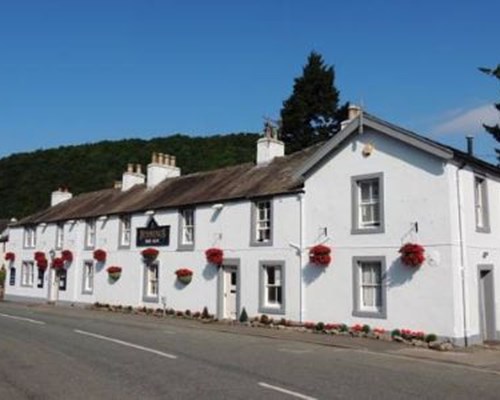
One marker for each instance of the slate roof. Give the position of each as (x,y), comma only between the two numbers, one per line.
(231,183)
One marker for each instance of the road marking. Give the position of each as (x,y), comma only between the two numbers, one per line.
(33,321)
(294,351)
(169,332)
(128,344)
(286,391)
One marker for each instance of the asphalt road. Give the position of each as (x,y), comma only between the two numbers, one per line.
(78,354)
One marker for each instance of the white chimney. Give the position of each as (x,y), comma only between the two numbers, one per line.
(131,178)
(60,195)
(162,167)
(269,146)
(353,112)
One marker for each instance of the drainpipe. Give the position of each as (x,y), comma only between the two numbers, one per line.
(301,258)
(462,253)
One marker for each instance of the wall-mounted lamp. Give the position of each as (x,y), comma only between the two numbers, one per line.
(218,206)
(150,212)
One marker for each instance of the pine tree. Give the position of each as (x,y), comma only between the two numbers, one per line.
(311,114)
(494,129)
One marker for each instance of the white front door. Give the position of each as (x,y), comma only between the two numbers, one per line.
(53,285)
(230,291)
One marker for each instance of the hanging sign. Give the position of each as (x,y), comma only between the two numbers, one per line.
(153,235)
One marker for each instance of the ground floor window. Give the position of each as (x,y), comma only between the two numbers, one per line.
(12,276)
(272,287)
(88,277)
(151,289)
(27,271)
(40,278)
(63,278)
(369,288)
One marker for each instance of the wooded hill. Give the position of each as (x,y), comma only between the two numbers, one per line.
(27,179)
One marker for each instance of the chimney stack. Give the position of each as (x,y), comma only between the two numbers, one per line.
(470,145)
(60,195)
(353,112)
(162,169)
(131,178)
(269,147)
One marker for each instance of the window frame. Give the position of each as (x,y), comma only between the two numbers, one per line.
(181,244)
(254,230)
(85,277)
(88,223)
(483,191)
(27,277)
(147,296)
(356,204)
(29,239)
(264,306)
(59,236)
(12,276)
(357,291)
(122,230)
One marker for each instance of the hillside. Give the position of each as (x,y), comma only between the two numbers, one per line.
(27,179)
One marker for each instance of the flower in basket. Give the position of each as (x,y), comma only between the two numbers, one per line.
(184,275)
(39,255)
(100,255)
(214,256)
(10,256)
(67,256)
(320,255)
(42,263)
(150,254)
(412,254)
(114,272)
(58,263)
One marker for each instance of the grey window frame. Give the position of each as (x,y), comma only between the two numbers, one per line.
(146,297)
(356,229)
(485,206)
(181,246)
(32,269)
(356,287)
(253,222)
(84,274)
(121,245)
(12,276)
(59,228)
(263,307)
(32,244)
(86,245)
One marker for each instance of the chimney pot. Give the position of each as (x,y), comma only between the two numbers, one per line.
(166,159)
(153,158)
(353,111)
(138,168)
(172,161)
(130,167)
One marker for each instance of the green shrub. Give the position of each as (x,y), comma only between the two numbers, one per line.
(431,337)
(205,314)
(264,319)
(187,313)
(243,315)
(320,326)
(343,328)
(2,276)
(395,332)
(366,328)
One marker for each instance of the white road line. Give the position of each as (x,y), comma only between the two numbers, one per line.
(118,341)
(286,391)
(169,332)
(33,321)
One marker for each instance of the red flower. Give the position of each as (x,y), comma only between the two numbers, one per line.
(58,263)
(320,255)
(39,255)
(114,270)
(183,272)
(42,263)
(67,255)
(214,256)
(150,253)
(412,254)
(100,255)
(10,256)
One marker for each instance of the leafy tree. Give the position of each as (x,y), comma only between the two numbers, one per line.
(494,129)
(311,114)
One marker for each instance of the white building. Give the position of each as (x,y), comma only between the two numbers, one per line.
(364,193)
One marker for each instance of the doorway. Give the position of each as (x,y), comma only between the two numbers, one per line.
(229,291)
(486,302)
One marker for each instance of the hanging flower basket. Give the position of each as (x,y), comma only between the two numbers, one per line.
(412,254)
(149,254)
(184,275)
(39,255)
(214,256)
(58,263)
(100,255)
(42,263)
(10,256)
(114,272)
(67,256)
(320,255)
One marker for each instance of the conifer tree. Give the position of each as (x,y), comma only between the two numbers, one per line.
(311,114)
(494,129)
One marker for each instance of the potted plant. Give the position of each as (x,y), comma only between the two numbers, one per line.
(58,263)
(39,255)
(320,255)
(10,256)
(149,255)
(100,255)
(214,256)
(67,256)
(114,272)
(184,275)
(412,254)
(42,264)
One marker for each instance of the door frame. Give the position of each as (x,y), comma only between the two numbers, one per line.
(483,331)
(221,302)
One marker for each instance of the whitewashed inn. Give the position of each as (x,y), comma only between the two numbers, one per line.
(364,193)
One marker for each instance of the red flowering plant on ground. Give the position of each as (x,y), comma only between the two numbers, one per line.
(320,255)
(150,254)
(412,254)
(408,334)
(67,256)
(58,263)
(10,256)
(214,256)
(99,255)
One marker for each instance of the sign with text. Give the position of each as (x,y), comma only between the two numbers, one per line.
(153,235)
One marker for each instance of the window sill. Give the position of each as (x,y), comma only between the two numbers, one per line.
(272,310)
(363,231)
(151,299)
(269,243)
(382,314)
(485,229)
(185,247)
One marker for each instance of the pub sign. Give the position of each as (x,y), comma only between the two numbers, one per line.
(153,235)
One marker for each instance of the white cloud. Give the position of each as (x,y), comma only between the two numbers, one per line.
(467,121)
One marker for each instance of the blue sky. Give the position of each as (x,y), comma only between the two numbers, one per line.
(82,71)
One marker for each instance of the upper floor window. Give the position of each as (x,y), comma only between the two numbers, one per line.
(262,223)
(186,231)
(367,204)
(30,237)
(481,204)
(369,289)
(59,236)
(125,231)
(90,233)
(27,273)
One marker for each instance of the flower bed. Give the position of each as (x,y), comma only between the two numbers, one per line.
(214,256)
(412,254)
(100,255)
(320,255)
